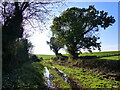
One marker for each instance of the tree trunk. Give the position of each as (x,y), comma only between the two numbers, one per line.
(74,56)
(56,52)
(73,51)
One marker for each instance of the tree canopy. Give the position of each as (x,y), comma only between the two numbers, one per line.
(77,28)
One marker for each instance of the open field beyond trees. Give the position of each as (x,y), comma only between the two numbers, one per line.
(110,54)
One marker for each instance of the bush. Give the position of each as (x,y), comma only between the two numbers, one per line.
(16,54)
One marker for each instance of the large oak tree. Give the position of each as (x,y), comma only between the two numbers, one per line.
(77,28)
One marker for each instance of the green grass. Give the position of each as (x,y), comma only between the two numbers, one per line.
(89,79)
(111,58)
(84,77)
(100,54)
(46,56)
(56,79)
(30,75)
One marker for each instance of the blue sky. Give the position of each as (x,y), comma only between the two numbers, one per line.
(109,37)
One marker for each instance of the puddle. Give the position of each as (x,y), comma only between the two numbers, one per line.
(62,74)
(66,79)
(46,74)
(49,83)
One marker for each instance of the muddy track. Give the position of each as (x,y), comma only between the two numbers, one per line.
(74,84)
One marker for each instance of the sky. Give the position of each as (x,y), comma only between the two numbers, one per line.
(108,37)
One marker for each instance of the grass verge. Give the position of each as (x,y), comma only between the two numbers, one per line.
(29,76)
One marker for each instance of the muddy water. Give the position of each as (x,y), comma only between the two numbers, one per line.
(62,74)
(49,83)
(66,79)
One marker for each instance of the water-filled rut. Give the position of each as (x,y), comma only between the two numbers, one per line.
(48,77)
(61,73)
(67,79)
(49,82)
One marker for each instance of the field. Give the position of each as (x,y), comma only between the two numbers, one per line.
(46,56)
(111,58)
(88,79)
(100,71)
(101,54)
(111,55)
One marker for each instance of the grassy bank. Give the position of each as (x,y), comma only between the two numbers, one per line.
(29,76)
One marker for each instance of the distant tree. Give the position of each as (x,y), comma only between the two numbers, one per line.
(77,28)
(55,46)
